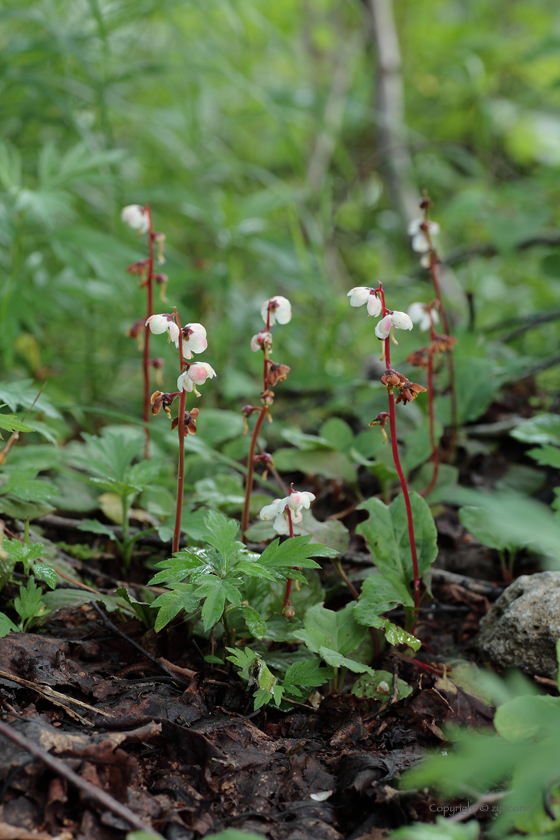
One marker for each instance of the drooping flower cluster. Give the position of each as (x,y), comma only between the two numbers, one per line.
(422,231)
(399,320)
(286,509)
(195,374)
(423,314)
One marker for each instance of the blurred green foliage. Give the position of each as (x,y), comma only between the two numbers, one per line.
(212,111)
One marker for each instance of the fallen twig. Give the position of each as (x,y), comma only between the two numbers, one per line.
(56,697)
(97,794)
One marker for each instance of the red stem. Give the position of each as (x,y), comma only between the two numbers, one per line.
(430,384)
(289,580)
(250,472)
(397,460)
(181,432)
(256,430)
(150,312)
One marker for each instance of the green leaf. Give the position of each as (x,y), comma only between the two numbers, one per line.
(476,521)
(92,526)
(254,621)
(44,571)
(369,687)
(544,428)
(10,423)
(338,433)
(170,604)
(327,463)
(142,609)
(23,485)
(379,595)
(395,635)
(222,535)
(337,660)
(25,553)
(338,631)
(295,551)
(7,626)
(386,532)
(547,455)
(231,834)
(309,674)
(215,594)
(178,567)
(29,604)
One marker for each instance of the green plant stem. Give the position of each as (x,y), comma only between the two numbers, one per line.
(26,532)
(397,460)
(181,433)
(149,313)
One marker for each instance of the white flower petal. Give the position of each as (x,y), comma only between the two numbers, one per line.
(401,321)
(158,324)
(281,525)
(135,217)
(416,312)
(358,295)
(414,227)
(433,228)
(185,383)
(374,306)
(173,330)
(420,243)
(270,511)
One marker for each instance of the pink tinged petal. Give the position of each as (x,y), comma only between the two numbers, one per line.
(401,321)
(195,344)
(185,383)
(255,343)
(358,295)
(173,330)
(383,327)
(158,324)
(264,312)
(198,374)
(283,310)
(374,306)
(297,517)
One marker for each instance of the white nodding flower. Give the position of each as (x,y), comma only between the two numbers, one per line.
(136,217)
(278,510)
(159,324)
(419,314)
(260,340)
(197,374)
(416,230)
(194,340)
(280,310)
(363,294)
(400,320)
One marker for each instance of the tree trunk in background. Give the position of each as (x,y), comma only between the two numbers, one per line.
(389,111)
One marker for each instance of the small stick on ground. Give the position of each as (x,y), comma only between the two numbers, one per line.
(92,791)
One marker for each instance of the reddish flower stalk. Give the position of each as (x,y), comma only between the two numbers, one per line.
(251,459)
(434,272)
(181,433)
(286,602)
(397,460)
(150,311)
(430,384)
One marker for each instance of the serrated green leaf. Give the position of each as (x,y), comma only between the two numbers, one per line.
(10,423)
(170,604)
(254,569)
(379,595)
(543,428)
(295,551)
(310,673)
(395,635)
(29,604)
(7,626)
(178,567)
(213,608)
(25,553)
(546,456)
(92,526)
(222,533)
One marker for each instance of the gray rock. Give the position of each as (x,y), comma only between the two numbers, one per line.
(523,626)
